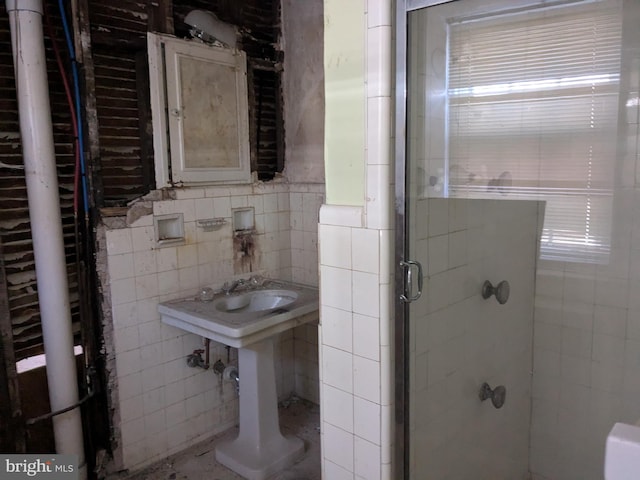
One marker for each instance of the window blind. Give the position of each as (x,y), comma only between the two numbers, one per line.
(532,114)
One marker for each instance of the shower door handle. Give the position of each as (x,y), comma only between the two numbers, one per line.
(408,266)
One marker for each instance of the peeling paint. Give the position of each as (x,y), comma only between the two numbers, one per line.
(140,15)
(21,277)
(125,149)
(138,211)
(11,224)
(9,136)
(12,167)
(14,257)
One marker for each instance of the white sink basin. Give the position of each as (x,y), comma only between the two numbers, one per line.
(245,317)
(256,301)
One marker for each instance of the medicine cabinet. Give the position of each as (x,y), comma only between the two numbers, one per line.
(199,111)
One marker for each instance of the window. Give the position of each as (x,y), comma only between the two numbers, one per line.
(532,114)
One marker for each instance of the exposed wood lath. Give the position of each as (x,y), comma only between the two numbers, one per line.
(266,122)
(119,124)
(13,438)
(118,22)
(118,34)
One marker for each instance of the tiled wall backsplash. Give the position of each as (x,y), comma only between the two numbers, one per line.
(162,405)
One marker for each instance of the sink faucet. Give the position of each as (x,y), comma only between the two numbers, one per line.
(228,289)
(255,281)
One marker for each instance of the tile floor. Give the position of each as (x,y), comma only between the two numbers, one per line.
(297,417)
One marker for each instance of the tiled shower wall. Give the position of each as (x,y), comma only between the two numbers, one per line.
(587,318)
(587,352)
(160,405)
(458,340)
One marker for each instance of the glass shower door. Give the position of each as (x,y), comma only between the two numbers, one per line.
(520,158)
(473,226)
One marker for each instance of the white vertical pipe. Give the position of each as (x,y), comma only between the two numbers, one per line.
(36,132)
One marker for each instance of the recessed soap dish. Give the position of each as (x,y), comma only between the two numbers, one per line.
(169,229)
(243,220)
(211,224)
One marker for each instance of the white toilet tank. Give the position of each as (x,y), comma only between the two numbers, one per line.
(622,456)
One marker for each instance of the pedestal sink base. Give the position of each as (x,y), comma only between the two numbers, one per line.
(260,450)
(274,457)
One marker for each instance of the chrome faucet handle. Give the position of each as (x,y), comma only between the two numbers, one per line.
(498,395)
(230,288)
(227,287)
(501,291)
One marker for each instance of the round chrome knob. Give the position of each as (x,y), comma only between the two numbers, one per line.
(497,395)
(501,291)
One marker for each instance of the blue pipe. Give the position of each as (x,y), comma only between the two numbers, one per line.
(76,90)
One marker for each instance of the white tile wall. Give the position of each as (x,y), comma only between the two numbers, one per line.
(338,447)
(356,380)
(366,336)
(336,287)
(303,202)
(338,408)
(584,368)
(587,368)
(163,405)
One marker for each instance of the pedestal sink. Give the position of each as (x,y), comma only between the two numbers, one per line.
(248,320)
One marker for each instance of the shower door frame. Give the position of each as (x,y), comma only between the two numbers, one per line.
(401,339)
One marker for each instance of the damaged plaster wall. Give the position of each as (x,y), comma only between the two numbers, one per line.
(303,90)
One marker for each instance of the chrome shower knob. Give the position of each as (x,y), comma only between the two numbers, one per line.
(501,291)
(497,395)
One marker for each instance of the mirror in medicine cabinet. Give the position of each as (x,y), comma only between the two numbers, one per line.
(200,113)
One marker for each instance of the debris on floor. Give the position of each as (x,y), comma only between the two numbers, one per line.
(298,417)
